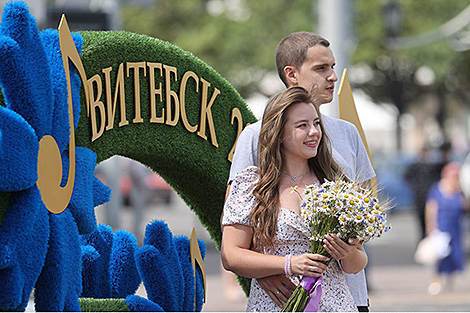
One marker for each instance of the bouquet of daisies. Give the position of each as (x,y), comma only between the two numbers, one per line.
(335,207)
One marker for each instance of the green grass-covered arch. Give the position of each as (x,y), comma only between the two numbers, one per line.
(193,166)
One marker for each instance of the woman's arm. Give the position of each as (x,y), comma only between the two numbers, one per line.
(430,216)
(227,193)
(238,258)
(352,256)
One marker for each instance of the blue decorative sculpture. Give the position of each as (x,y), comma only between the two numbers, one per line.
(66,256)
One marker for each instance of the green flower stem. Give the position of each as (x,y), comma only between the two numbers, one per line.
(297,301)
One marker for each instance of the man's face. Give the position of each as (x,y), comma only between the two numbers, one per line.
(318,69)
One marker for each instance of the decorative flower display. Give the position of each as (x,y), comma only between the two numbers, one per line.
(39,249)
(113,268)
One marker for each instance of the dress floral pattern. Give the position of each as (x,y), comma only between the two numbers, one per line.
(291,238)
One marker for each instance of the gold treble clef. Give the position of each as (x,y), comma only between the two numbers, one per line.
(55,197)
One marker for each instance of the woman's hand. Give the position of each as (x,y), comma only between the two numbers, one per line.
(339,249)
(352,256)
(278,287)
(308,264)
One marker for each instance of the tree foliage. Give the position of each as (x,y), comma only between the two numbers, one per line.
(395,76)
(418,18)
(238,38)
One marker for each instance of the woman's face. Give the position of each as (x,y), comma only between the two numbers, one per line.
(302,132)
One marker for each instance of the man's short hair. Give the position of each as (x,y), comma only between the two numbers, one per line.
(292,51)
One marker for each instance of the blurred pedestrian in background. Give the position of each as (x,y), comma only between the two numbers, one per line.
(109,171)
(445,156)
(444,211)
(420,175)
(138,196)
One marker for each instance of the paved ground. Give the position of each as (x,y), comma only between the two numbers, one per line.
(396,282)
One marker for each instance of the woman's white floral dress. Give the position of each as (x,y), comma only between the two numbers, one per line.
(291,238)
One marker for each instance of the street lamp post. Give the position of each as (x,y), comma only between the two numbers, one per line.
(393,16)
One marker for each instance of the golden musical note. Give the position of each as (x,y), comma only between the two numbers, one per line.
(197,257)
(348,112)
(55,197)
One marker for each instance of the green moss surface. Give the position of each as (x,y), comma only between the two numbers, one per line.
(103,305)
(194,167)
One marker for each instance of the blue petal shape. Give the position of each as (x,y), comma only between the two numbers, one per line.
(124,277)
(90,270)
(116,257)
(160,268)
(96,281)
(182,244)
(101,192)
(193,291)
(25,52)
(18,152)
(139,304)
(23,246)
(167,272)
(89,254)
(157,275)
(61,128)
(81,204)
(60,283)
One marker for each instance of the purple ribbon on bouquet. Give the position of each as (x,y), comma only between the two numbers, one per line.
(313,286)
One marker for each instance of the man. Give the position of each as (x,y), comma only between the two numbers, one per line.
(421,175)
(305,59)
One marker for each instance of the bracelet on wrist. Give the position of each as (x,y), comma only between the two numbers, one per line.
(287,266)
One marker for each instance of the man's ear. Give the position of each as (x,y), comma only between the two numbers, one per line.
(291,75)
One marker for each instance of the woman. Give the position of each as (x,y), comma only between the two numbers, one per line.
(263,232)
(444,210)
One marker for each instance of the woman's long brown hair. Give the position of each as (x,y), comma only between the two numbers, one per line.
(271,160)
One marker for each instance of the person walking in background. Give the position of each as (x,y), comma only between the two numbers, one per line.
(305,59)
(420,175)
(445,156)
(444,210)
(264,234)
